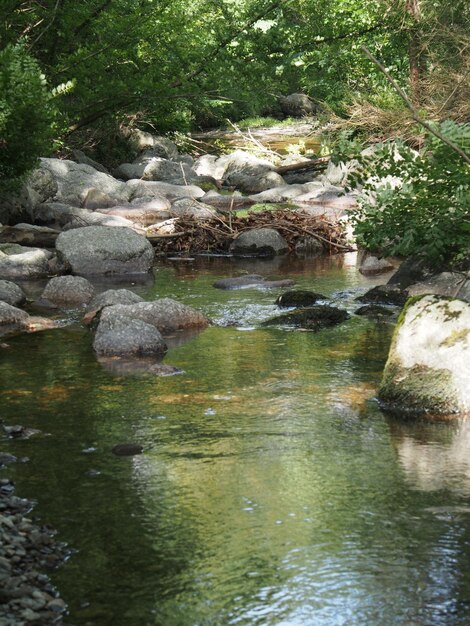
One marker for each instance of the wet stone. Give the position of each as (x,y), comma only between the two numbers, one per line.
(127,449)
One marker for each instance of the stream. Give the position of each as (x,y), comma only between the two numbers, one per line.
(272,490)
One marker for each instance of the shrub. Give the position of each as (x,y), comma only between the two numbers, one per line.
(415,203)
(26,115)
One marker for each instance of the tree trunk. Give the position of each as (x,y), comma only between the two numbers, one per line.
(414,51)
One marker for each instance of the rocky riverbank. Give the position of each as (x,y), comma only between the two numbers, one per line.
(27,552)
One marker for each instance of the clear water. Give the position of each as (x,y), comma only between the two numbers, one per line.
(272,490)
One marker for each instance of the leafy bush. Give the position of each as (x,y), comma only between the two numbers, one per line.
(415,203)
(26,115)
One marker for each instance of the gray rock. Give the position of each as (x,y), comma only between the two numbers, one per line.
(74,181)
(254,183)
(68,291)
(11,293)
(108,298)
(144,215)
(226,203)
(187,207)
(374,311)
(12,316)
(81,157)
(241,162)
(63,216)
(39,187)
(311,318)
(165,314)
(104,250)
(96,199)
(155,189)
(373,265)
(21,263)
(259,242)
(210,165)
(118,335)
(428,366)
(286,192)
(297,105)
(452,284)
(309,246)
(159,146)
(157,169)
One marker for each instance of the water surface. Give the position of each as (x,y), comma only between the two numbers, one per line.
(272,490)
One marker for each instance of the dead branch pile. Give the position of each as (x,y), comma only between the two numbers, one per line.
(215,235)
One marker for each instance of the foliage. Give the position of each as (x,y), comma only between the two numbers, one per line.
(415,203)
(27,115)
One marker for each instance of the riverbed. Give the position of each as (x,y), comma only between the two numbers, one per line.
(271,491)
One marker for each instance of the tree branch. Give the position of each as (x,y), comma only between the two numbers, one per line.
(414,113)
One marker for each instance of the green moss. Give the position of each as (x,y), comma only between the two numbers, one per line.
(418,390)
(455,337)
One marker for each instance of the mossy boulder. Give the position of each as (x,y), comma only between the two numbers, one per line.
(311,318)
(428,366)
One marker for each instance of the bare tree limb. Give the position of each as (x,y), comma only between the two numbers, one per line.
(414,113)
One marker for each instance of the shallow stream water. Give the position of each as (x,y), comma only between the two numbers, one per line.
(271,491)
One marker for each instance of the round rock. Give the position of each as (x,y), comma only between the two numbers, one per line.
(259,242)
(68,291)
(105,250)
(11,293)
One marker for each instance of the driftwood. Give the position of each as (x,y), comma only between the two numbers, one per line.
(312,164)
(34,237)
(216,234)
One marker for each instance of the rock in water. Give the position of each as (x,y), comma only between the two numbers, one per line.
(127,449)
(428,367)
(105,250)
(311,318)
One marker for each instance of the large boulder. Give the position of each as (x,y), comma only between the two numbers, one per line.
(142,141)
(11,293)
(68,291)
(412,270)
(452,284)
(154,189)
(39,187)
(241,162)
(284,193)
(156,169)
(254,183)
(22,263)
(211,165)
(104,250)
(297,105)
(143,213)
(384,294)
(58,215)
(12,317)
(259,242)
(165,314)
(428,366)
(74,181)
(372,265)
(187,207)
(121,336)
(81,157)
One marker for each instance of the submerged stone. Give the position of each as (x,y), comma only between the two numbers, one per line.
(299,297)
(311,318)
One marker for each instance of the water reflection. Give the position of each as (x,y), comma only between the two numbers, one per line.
(434,455)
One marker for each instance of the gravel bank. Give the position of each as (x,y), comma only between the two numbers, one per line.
(27,597)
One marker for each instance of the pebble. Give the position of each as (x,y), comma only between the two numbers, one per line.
(26,596)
